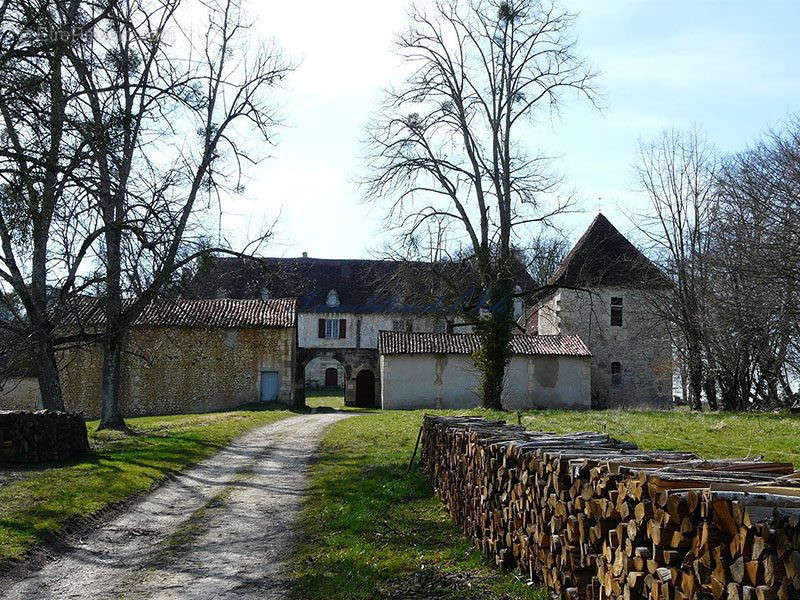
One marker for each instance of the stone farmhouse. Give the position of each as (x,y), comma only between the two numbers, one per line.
(386,332)
(342,305)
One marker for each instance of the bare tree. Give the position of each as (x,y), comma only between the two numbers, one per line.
(757,272)
(167,117)
(42,161)
(677,171)
(449,143)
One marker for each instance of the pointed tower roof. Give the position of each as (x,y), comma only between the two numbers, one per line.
(603,256)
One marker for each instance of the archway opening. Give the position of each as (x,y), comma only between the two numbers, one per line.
(325,381)
(365,389)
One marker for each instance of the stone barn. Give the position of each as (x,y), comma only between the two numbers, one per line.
(192,356)
(435,370)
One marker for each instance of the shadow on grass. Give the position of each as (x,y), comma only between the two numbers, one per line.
(51,499)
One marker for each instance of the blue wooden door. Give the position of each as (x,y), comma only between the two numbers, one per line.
(269,386)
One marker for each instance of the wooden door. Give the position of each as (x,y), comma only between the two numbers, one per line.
(331,377)
(365,389)
(269,386)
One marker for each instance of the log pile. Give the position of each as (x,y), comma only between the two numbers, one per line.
(41,436)
(595,518)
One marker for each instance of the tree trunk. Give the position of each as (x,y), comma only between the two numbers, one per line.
(495,357)
(110,415)
(495,331)
(47,374)
(710,386)
(684,382)
(695,366)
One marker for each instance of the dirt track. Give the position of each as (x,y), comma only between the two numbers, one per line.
(221,530)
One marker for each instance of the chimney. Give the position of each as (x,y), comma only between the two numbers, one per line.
(305,254)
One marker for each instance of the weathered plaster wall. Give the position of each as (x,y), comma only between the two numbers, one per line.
(428,381)
(20,393)
(452,381)
(172,370)
(362,329)
(641,345)
(548,382)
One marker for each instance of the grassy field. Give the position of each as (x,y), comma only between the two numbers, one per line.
(711,435)
(42,502)
(370,531)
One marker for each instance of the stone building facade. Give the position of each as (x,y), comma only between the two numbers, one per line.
(342,305)
(324,373)
(189,356)
(632,362)
(600,293)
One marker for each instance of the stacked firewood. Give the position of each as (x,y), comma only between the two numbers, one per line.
(595,518)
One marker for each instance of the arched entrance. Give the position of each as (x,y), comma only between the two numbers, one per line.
(324,381)
(365,389)
(350,363)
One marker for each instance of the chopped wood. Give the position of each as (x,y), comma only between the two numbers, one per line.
(595,518)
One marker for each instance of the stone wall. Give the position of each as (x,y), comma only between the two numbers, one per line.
(315,372)
(184,370)
(641,345)
(354,361)
(41,436)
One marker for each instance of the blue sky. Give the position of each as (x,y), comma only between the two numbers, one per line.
(729,67)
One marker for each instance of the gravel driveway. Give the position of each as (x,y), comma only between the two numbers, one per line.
(221,530)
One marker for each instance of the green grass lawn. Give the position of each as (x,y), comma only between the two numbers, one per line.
(332,397)
(370,531)
(40,504)
(776,437)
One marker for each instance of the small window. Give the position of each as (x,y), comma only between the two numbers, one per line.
(440,326)
(331,328)
(616,312)
(616,373)
(332,299)
(402,325)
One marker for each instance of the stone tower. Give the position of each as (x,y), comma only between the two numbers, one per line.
(603,292)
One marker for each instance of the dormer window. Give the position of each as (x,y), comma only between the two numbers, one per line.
(519,305)
(333,299)
(616,312)
(265,293)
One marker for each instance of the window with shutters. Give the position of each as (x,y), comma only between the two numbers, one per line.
(616,312)
(331,328)
(616,373)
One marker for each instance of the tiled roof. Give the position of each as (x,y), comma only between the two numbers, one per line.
(603,256)
(363,286)
(399,342)
(224,313)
